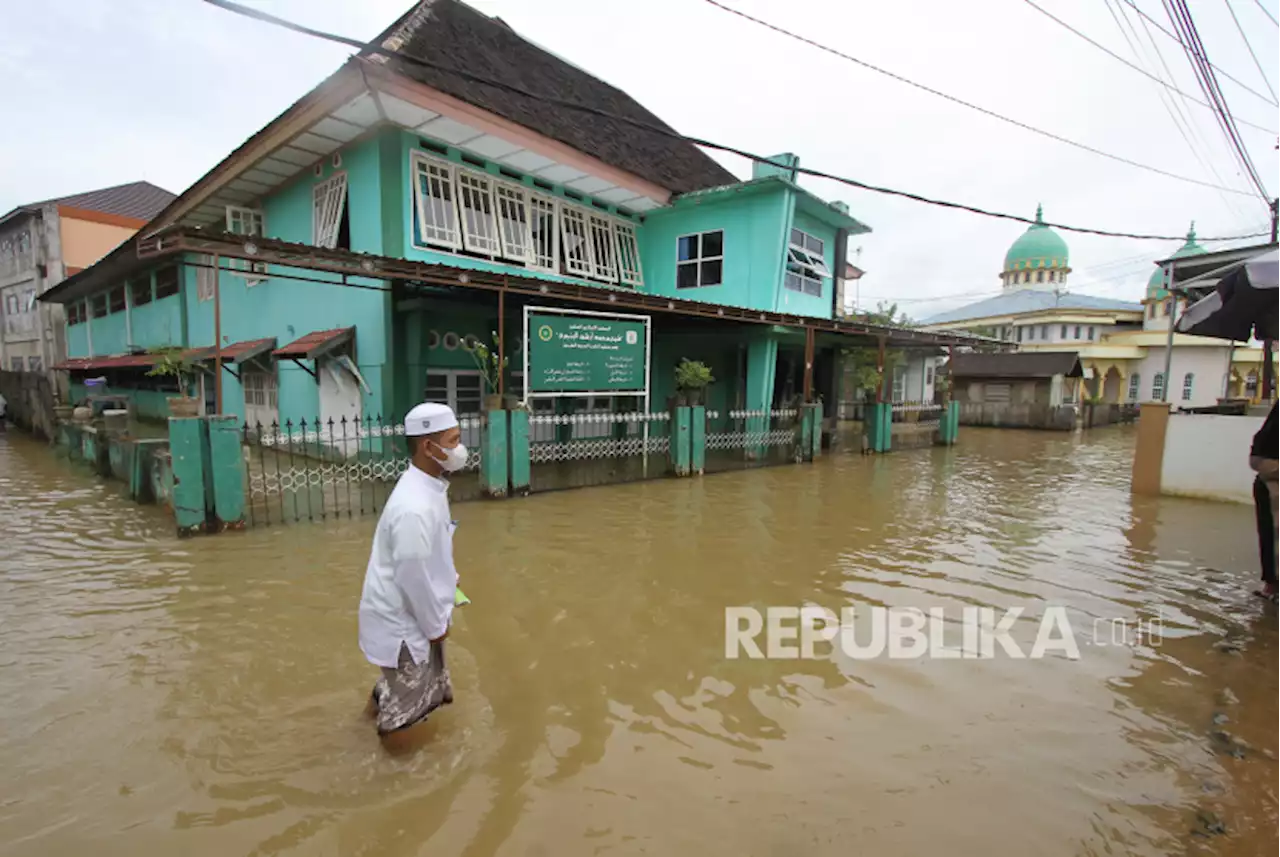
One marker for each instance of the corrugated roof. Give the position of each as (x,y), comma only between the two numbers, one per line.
(452,35)
(1030,300)
(315,343)
(141,200)
(1018,364)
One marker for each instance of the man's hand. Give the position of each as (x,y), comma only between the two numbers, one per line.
(1268,469)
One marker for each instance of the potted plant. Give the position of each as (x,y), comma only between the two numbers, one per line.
(692,377)
(171,363)
(491,365)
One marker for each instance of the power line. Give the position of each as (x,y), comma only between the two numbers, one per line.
(1183,22)
(1223,72)
(1138,69)
(372,48)
(1181,114)
(1015,122)
(1245,38)
(1267,12)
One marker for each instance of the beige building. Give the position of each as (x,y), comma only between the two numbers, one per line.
(1121,345)
(41,244)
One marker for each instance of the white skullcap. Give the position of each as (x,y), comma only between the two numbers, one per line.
(429,418)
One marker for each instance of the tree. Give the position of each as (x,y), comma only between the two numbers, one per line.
(861,366)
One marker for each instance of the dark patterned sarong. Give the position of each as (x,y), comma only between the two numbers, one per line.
(407,694)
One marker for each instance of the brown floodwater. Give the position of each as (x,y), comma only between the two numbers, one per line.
(204,697)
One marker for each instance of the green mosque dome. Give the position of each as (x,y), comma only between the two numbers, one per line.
(1038,247)
(1155,285)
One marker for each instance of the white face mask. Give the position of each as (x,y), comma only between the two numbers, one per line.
(455,458)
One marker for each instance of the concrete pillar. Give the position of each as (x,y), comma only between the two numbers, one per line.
(226,472)
(762,367)
(1148,451)
(188,439)
(680,430)
(815,450)
(518,440)
(493,459)
(698,439)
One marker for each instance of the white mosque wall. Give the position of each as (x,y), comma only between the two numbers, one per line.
(1207,456)
(1206,364)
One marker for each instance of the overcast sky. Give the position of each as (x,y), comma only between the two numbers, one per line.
(101,92)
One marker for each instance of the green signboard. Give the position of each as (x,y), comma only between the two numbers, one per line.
(585,354)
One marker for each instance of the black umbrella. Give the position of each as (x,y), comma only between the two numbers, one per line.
(1242,307)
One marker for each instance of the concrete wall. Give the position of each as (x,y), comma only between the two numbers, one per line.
(1039,416)
(1208,364)
(1207,456)
(85,242)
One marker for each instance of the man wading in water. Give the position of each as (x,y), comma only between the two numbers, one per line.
(411,583)
(1265,459)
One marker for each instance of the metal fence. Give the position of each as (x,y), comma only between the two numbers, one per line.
(745,438)
(316,470)
(597,448)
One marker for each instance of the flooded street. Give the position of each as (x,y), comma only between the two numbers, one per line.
(204,697)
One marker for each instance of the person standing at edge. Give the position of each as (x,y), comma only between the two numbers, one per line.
(410,584)
(1262,458)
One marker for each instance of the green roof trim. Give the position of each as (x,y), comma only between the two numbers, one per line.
(828,212)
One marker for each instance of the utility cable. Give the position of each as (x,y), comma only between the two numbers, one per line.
(1267,12)
(372,48)
(1138,69)
(1245,38)
(1223,72)
(983,110)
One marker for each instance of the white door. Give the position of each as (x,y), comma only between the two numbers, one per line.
(261,398)
(339,398)
(462,390)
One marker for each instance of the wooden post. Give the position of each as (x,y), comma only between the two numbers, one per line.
(808,364)
(502,335)
(217,338)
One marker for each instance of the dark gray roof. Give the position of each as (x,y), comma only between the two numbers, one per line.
(1018,364)
(452,35)
(1029,300)
(141,200)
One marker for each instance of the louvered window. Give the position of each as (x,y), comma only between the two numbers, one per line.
(603,251)
(433,198)
(329,201)
(628,254)
(513,222)
(546,243)
(577,247)
(475,202)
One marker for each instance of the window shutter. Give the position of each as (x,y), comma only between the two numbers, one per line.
(329,199)
(433,195)
(542,224)
(475,201)
(603,249)
(577,247)
(513,223)
(628,254)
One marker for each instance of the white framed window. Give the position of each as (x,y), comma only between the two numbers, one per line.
(542,227)
(603,248)
(1135,386)
(205,275)
(433,198)
(1157,387)
(475,203)
(513,222)
(261,397)
(249,222)
(35,364)
(328,202)
(1188,381)
(700,259)
(806,266)
(629,271)
(573,234)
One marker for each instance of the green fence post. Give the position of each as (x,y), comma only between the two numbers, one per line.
(886,434)
(805,447)
(953,422)
(698,439)
(680,440)
(493,460)
(226,471)
(519,449)
(816,449)
(187,441)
